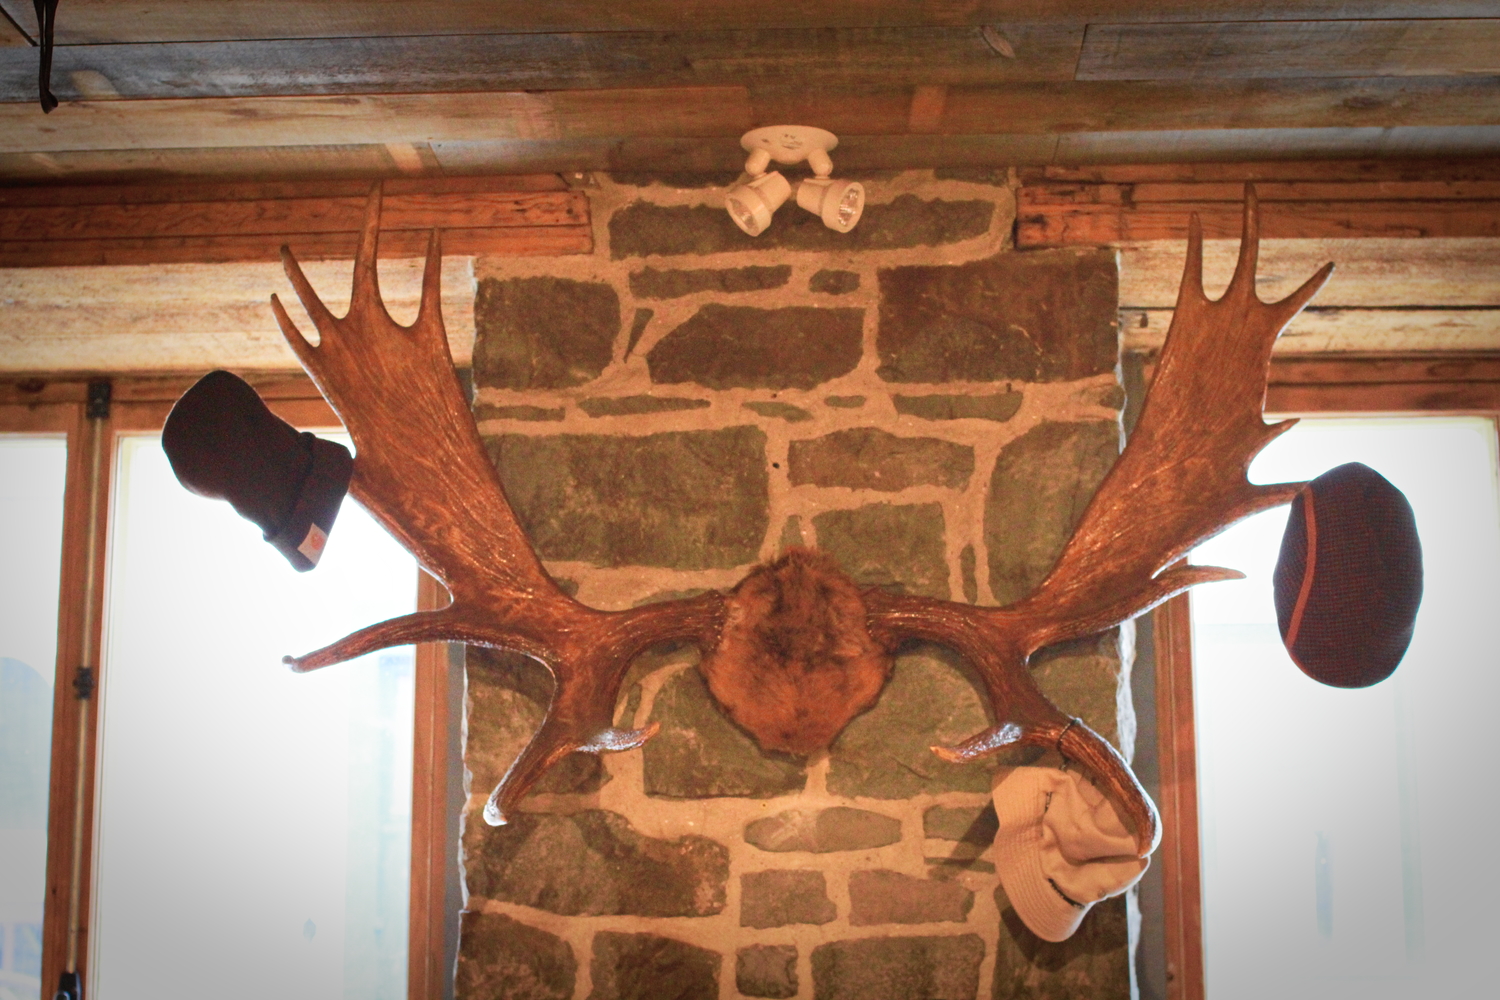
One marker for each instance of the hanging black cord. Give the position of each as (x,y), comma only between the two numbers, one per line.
(46,16)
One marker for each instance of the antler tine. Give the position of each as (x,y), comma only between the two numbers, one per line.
(430,311)
(366,293)
(1243,282)
(1192,268)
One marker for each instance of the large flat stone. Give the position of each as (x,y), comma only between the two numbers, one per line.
(543,333)
(683,499)
(1093,963)
(888,897)
(630,406)
(504,959)
(899,968)
(1042,482)
(1084,678)
(742,347)
(833,282)
(885,753)
(1039,316)
(865,458)
(998,407)
(767,970)
(700,754)
(975,825)
(650,967)
(778,898)
(823,831)
(900,546)
(644,229)
(508,694)
(652,283)
(593,862)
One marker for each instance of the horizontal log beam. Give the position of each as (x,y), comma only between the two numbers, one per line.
(224,223)
(1319,330)
(726,112)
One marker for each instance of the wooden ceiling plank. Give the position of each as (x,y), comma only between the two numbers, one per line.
(1291,49)
(110,21)
(1085,196)
(577,61)
(1318,330)
(189,192)
(1307,220)
(1435,168)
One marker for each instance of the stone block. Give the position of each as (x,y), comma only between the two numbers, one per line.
(900,546)
(865,458)
(684,499)
(885,753)
(543,333)
(508,694)
(767,970)
(650,967)
(630,406)
(656,284)
(504,959)
(899,968)
(1094,962)
(783,411)
(487,411)
(643,229)
(1084,678)
(823,831)
(1040,316)
(887,897)
(593,862)
(999,407)
(778,898)
(829,282)
(966,569)
(638,325)
(1042,482)
(741,347)
(700,754)
(970,824)
(845,402)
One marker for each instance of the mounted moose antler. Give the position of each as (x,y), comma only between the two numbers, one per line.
(421,469)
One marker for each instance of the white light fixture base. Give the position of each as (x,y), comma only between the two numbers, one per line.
(788,144)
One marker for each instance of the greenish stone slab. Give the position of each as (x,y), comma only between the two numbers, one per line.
(999,407)
(651,967)
(700,754)
(889,897)
(628,406)
(1082,678)
(845,402)
(779,898)
(1093,963)
(966,569)
(543,333)
(865,458)
(741,347)
(781,411)
(504,959)
(898,968)
(885,753)
(830,282)
(823,831)
(642,229)
(593,862)
(638,325)
(969,824)
(486,411)
(652,283)
(1042,482)
(900,546)
(767,970)
(1039,316)
(682,499)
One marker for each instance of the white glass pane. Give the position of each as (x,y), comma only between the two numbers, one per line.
(1345,833)
(254,824)
(33,471)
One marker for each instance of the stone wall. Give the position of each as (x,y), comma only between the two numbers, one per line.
(916,398)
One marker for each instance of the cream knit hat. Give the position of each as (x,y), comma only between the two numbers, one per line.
(1061,847)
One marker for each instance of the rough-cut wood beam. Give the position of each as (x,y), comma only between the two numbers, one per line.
(1322,330)
(1284,49)
(574,61)
(726,112)
(208,20)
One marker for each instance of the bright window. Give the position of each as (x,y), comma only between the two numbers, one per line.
(1346,833)
(33,471)
(253,825)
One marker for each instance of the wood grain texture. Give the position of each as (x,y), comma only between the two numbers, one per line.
(1368,330)
(1291,49)
(429,808)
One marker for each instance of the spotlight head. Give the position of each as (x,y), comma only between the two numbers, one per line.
(838,203)
(752,203)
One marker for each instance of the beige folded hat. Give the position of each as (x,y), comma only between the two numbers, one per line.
(1061,847)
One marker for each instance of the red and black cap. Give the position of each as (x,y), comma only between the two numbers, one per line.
(1348,581)
(225,444)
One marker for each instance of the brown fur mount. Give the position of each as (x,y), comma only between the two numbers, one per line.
(795,662)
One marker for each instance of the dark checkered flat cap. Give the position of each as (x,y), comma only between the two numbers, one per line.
(1349,578)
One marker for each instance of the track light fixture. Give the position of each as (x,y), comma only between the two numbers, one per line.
(755,197)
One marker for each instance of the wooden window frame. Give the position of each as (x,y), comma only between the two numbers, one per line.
(140,405)
(1322,386)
